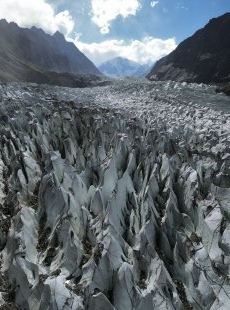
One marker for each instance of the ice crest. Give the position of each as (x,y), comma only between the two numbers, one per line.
(114,197)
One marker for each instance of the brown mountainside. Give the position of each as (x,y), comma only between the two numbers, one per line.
(31,55)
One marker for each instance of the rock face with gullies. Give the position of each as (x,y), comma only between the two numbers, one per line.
(27,55)
(202,58)
(114,197)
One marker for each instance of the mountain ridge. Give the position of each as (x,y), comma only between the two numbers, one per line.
(30,55)
(121,66)
(201,58)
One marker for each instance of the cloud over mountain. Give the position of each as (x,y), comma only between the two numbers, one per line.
(141,51)
(27,13)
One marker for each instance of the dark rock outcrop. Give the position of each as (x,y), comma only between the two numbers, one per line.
(223,88)
(28,54)
(202,58)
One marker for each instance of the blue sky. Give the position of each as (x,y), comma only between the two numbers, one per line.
(141,30)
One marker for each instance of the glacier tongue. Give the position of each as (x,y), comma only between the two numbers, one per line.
(114,197)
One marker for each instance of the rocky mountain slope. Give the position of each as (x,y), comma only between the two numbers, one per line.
(120,66)
(32,55)
(114,197)
(204,57)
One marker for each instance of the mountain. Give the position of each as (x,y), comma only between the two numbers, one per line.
(120,66)
(32,55)
(144,69)
(202,58)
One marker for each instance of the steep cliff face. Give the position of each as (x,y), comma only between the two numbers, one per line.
(26,54)
(204,57)
(117,198)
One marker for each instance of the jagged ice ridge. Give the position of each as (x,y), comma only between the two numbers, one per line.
(114,197)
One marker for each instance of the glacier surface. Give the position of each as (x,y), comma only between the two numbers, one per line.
(114,197)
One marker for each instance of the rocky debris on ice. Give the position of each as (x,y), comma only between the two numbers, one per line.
(114,197)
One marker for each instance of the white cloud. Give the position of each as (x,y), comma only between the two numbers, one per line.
(148,50)
(27,13)
(153,3)
(104,11)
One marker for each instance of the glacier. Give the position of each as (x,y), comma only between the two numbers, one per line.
(114,197)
